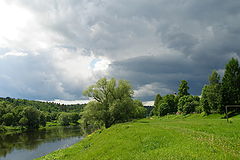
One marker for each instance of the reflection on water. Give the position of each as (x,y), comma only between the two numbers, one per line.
(30,145)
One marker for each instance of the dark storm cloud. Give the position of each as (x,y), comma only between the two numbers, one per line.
(165,71)
(153,44)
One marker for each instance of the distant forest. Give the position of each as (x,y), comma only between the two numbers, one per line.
(33,114)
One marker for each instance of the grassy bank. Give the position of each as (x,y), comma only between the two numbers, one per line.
(170,137)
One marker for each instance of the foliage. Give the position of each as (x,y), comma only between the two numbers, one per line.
(65,119)
(214,78)
(8,119)
(32,117)
(94,116)
(32,114)
(163,109)
(155,110)
(167,105)
(158,98)
(113,103)
(211,98)
(183,88)
(42,106)
(23,121)
(187,104)
(231,83)
(75,117)
(42,119)
(139,109)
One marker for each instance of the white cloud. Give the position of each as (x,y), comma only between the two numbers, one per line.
(13,19)
(101,65)
(69,102)
(151,90)
(13,53)
(148,103)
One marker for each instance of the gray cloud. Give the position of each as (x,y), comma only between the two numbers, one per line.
(153,44)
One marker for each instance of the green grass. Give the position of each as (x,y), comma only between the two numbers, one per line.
(169,137)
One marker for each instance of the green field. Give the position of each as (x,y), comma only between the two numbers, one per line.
(169,137)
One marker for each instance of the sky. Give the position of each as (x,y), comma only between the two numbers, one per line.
(53,50)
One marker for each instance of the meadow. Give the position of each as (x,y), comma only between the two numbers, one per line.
(170,137)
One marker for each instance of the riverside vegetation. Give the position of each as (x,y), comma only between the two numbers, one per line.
(17,115)
(171,133)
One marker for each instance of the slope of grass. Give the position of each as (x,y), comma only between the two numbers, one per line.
(170,137)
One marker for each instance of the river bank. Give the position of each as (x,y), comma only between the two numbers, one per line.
(169,137)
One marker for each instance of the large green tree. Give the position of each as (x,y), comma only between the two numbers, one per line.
(158,98)
(31,117)
(211,94)
(113,103)
(187,104)
(231,83)
(155,110)
(214,78)
(183,88)
(167,105)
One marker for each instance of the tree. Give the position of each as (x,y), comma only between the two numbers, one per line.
(171,102)
(139,110)
(163,109)
(42,119)
(64,119)
(167,105)
(211,94)
(183,88)
(8,119)
(214,78)
(187,104)
(231,84)
(94,116)
(31,117)
(113,103)
(158,98)
(75,117)
(155,110)
(189,107)
(23,121)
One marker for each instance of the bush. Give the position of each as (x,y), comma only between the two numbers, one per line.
(31,118)
(74,117)
(187,104)
(64,119)
(188,107)
(199,109)
(2,129)
(8,119)
(163,109)
(167,105)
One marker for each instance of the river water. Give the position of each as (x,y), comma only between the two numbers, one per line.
(34,144)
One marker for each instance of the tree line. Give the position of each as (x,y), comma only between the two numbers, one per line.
(214,97)
(33,114)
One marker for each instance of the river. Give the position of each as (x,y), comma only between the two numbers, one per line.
(34,144)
